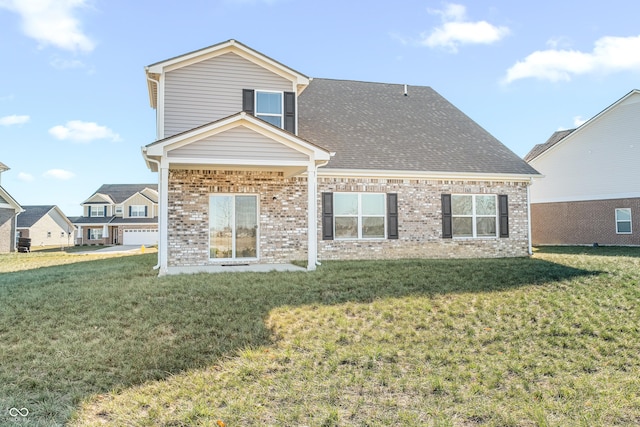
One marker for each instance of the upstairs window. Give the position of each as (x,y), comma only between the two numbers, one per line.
(277,108)
(623,221)
(97,210)
(269,107)
(138,211)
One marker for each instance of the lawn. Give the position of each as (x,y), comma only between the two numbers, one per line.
(552,340)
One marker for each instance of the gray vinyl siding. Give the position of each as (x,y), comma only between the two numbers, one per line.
(237,143)
(210,90)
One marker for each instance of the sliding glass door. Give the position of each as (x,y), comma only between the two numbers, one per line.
(233,226)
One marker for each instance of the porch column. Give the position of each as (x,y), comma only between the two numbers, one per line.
(163,188)
(312,215)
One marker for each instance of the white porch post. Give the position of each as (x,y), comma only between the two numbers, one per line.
(163,177)
(79,235)
(312,209)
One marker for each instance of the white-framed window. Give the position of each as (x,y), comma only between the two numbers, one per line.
(623,221)
(359,215)
(269,107)
(95,233)
(474,215)
(96,210)
(137,211)
(48,234)
(119,210)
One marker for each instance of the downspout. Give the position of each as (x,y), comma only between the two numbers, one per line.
(157,162)
(529,214)
(317,262)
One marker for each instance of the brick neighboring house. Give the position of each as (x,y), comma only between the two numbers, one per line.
(591,187)
(46,225)
(258,163)
(9,211)
(119,214)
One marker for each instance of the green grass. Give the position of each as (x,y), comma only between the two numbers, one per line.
(552,340)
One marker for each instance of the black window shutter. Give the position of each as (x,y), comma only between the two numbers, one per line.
(105,211)
(392,216)
(89,211)
(503,206)
(146,211)
(327,216)
(290,111)
(88,234)
(248,100)
(447,232)
(129,210)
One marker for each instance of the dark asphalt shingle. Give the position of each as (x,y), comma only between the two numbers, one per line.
(374,126)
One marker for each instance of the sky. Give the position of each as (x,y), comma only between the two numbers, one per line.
(74,106)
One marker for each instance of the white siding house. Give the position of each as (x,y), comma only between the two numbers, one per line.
(591,180)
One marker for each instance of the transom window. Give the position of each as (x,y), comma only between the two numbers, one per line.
(138,210)
(623,221)
(269,107)
(474,215)
(359,215)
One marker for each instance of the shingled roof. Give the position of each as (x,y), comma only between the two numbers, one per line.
(375,126)
(33,214)
(541,148)
(121,192)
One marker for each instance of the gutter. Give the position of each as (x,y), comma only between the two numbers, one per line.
(157,162)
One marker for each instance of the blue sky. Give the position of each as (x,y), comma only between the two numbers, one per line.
(74,108)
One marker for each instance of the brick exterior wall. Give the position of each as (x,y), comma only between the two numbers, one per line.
(7,230)
(420,221)
(282,217)
(583,223)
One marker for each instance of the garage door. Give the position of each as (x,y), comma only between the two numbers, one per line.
(146,237)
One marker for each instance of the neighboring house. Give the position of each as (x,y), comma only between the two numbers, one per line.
(119,214)
(259,163)
(45,226)
(591,187)
(9,211)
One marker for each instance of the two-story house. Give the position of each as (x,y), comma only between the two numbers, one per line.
(119,214)
(9,211)
(591,187)
(259,163)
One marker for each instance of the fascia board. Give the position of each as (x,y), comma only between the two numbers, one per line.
(226,47)
(399,174)
(241,119)
(586,125)
(12,204)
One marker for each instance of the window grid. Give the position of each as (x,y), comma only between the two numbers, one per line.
(474,216)
(361,217)
(623,221)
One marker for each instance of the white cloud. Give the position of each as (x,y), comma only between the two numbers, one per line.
(79,131)
(26,177)
(60,174)
(13,120)
(609,55)
(457,30)
(64,64)
(52,22)
(578,121)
